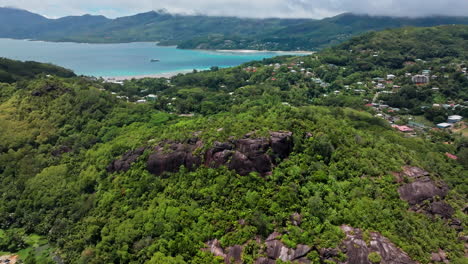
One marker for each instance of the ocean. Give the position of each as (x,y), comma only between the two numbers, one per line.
(126,59)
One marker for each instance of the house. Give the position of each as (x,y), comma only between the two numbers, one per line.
(141,101)
(426,72)
(403,129)
(454,119)
(444,125)
(420,79)
(380,86)
(391,77)
(383,106)
(151,97)
(451,156)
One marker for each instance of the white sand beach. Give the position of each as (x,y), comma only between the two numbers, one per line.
(156,75)
(245,51)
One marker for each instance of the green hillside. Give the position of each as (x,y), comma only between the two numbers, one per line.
(13,71)
(205,32)
(237,165)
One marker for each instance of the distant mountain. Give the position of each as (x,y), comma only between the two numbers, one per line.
(205,32)
(15,23)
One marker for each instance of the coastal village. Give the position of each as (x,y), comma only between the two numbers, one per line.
(387,85)
(371,89)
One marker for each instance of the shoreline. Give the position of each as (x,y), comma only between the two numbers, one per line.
(247,51)
(143,76)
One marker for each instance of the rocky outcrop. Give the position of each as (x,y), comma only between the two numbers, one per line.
(234,254)
(421,190)
(274,250)
(126,161)
(249,154)
(439,257)
(244,155)
(423,193)
(215,248)
(296,219)
(441,208)
(169,157)
(414,172)
(358,251)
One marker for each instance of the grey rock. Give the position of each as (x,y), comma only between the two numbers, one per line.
(421,190)
(441,208)
(357,250)
(234,254)
(215,248)
(126,161)
(414,172)
(264,260)
(296,219)
(171,157)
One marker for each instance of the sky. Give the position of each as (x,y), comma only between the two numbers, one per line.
(244,8)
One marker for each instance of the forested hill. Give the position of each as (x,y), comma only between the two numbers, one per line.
(13,71)
(269,162)
(205,32)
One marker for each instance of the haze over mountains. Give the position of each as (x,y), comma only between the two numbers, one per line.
(204,32)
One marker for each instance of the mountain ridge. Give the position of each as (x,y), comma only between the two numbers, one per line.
(205,32)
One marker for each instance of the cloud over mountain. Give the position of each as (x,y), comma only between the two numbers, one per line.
(246,8)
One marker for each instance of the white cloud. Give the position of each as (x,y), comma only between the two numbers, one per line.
(246,8)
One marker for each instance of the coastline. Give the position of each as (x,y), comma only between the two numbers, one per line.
(143,76)
(246,51)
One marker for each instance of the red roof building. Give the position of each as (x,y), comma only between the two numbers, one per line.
(403,128)
(451,156)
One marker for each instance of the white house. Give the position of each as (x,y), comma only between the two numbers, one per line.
(454,119)
(444,125)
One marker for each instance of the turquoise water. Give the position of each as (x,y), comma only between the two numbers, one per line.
(126,59)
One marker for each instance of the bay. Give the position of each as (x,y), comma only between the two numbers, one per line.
(126,59)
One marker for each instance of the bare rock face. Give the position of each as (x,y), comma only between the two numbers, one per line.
(274,250)
(219,155)
(126,161)
(215,248)
(234,254)
(169,157)
(249,154)
(421,190)
(281,144)
(296,219)
(441,208)
(264,260)
(440,257)
(414,172)
(410,172)
(358,250)
(244,155)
